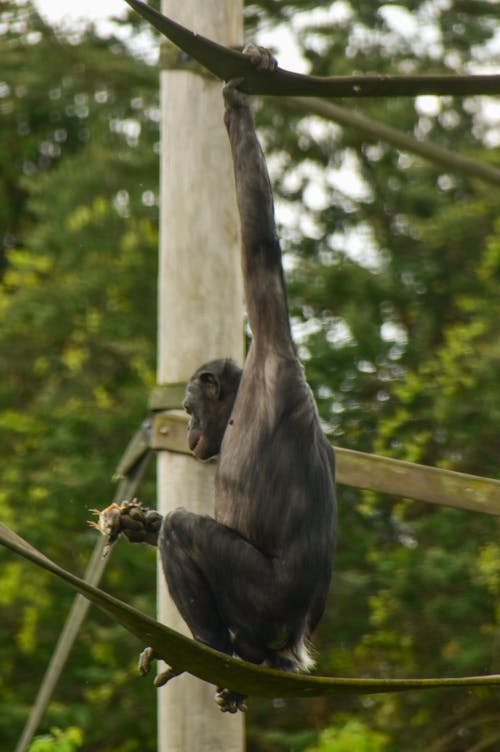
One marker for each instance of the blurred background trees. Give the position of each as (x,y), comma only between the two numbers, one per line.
(393,269)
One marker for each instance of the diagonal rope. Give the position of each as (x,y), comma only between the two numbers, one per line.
(393,136)
(126,489)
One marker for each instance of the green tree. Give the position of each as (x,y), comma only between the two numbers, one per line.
(77,301)
(58,741)
(352,736)
(394,282)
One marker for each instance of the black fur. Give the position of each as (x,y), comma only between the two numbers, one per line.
(254,579)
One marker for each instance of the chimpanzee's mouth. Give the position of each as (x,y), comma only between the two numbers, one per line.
(194,438)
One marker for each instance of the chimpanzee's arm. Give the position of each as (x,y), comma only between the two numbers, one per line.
(261,252)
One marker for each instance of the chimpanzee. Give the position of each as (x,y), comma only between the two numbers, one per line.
(253,580)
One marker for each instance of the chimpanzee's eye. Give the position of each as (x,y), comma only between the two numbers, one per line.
(208,378)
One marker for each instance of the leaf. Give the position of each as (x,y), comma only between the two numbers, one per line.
(184,654)
(226,63)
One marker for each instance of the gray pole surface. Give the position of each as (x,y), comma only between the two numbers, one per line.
(200,318)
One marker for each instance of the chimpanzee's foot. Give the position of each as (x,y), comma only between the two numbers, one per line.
(230,702)
(146,659)
(137,523)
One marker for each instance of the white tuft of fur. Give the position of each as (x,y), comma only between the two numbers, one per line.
(300,656)
(306,660)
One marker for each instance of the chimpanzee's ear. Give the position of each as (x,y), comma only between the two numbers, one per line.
(211,384)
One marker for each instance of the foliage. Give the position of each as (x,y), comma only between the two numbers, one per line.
(352,736)
(394,285)
(394,276)
(58,741)
(80,119)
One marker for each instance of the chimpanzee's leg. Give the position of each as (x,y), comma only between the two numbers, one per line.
(218,581)
(188,587)
(222,586)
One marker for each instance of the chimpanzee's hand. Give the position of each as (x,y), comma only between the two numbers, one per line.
(262,59)
(137,523)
